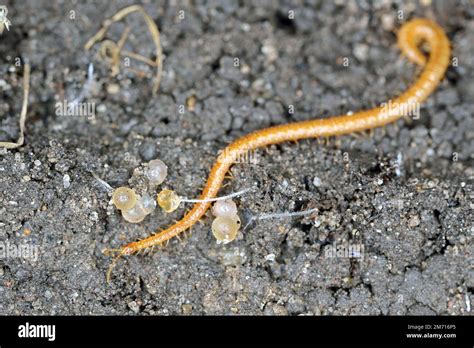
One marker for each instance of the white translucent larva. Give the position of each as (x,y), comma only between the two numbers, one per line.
(156,172)
(224,208)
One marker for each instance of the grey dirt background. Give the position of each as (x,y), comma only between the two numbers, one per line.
(405,193)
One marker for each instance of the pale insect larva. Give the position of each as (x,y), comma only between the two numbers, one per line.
(156,172)
(124,198)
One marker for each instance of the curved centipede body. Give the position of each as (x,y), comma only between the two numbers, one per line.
(410,36)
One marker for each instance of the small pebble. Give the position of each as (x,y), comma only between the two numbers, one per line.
(66,181)
(187,308)
(414,221)
(148,151)
(388,22)
(113,88)
(94,216)
(317,181)
(134,306)
(361,51)
(48,294)
(101,108)
(270,257)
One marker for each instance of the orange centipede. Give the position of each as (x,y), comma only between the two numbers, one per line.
(409,39)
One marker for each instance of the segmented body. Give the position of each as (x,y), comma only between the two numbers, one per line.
(410,36)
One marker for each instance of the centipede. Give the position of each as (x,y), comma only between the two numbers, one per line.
(410,37)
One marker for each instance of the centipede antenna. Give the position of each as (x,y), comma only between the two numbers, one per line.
(112,266)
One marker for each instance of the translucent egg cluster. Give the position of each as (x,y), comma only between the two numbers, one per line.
(226,225)
(135,207)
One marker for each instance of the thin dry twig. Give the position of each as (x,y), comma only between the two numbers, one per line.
(116,49)
(24,110)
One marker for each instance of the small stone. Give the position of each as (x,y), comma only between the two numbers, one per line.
(187,308)
(270,257)
(245,69)
(279,310)
(388,22)
(113,88)
(134,307)
(270,51)
(101,108)
(94,216)
(361,51)
(37,163)
(414,221)
(245,27)
(66,181)
(147,150)
(317,181)
(48,294)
